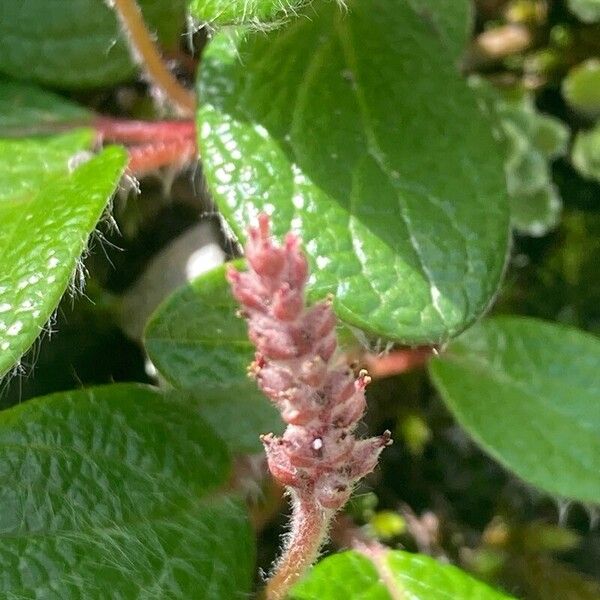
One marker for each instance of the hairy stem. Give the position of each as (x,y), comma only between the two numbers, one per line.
(309,525)
(145,51)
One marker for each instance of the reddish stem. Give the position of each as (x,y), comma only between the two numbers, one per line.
(155,144)
(309,525)
(397,361)
(149,157)
(134,132)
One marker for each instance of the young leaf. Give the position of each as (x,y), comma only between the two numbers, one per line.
(527,391)
(47,214)
(355,130)
(109,489)
(389,576)
(26,109)
(199,345)
(76,43)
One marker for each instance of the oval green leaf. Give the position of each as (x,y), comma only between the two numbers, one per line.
(47,213)
(76,43)
(110,489)
(199,345)
(528,391)
(355,130)
(389,575)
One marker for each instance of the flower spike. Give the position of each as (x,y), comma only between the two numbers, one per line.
(318,458)
(319,398)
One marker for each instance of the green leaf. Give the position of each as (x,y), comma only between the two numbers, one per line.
(195,338)
(581,87)
(108,489)
(527,391)
(239,412)
(257,13)
(199,345)
(47,214)
(451,20)
(26,109)
(355,130)
(393,574)
(587,10)
(76,43)
(586,153)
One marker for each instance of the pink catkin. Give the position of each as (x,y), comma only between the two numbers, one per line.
(318,457)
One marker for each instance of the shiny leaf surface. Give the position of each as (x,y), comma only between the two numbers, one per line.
(48,208)
(393,179)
